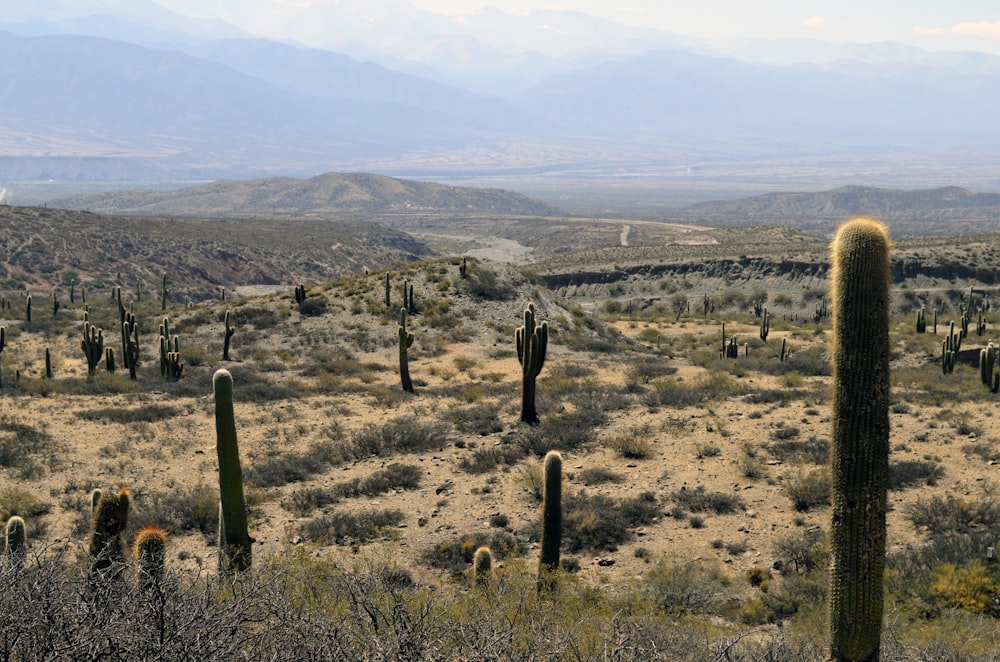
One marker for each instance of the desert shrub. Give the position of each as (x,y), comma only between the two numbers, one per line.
(259,317)
(805,550)
(950,515)
(250,386)
(810,362)
(908,473)
(565,431)
(396,476)
(455,555)
(809,491)
(707,450)
(178,510)
(481,419)
(784,432)
(483,283)
(633,444)
(690,587)
(984,450)
(21,445)
(814,450)
(699,500)
(598,522)
(676,392)
(531,479)
(145,414)
(400,435)
(973,588)
(313,306)
(598,476)
(351,528)
(484,460)
(645,369)
(16,500)
(499,520)
(282,468)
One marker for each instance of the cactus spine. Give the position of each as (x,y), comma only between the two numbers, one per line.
(532,341)
(93,346)
(860,449)
(230,330)
(405,342)
(15,548)
(107,526)
(234,540)
(548,562)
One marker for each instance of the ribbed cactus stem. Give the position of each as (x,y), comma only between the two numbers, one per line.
(234,540)
(15,547)
(93,346)
(107,527)
(405,342)
(482,566)
(388,290)
(532,341)
(548,562)
(150,553)
(48,363)
(860,449)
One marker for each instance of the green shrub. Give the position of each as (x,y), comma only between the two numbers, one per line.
(809,491)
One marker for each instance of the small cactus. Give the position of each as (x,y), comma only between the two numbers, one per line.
(463,268)
(230,330)
(482,566)
(150,554)
(15,547)
(235,544)
(388,291)
(405,342)
(107,527)
(548,562)
(48,364)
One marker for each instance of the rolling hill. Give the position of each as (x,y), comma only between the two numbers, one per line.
(331,193)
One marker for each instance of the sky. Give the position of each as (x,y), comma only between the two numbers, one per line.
(930,24)
(933,24)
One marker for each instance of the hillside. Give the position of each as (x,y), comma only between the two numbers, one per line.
(48,249)
(331,193)
(945,210)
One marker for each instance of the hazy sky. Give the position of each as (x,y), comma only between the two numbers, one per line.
(932,24)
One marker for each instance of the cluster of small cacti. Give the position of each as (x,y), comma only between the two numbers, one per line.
(758,308)
(988,371)
(949,348)
(708,305)
(531,340)
(860,438)
(921,320)
(300,295)
(408,303)
(405,342)
(822,311)
(730,346)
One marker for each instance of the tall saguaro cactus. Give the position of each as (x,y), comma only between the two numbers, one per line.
(234,540)
(93,346)
(109,519)
(548,562)
(230,330)
(531,340)
(860,451)
(405,342)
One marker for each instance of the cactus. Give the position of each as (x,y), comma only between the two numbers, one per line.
(531,340)
(482,566)
(860,448)
(405,342)
(15,547)
(921,321)
(548,561)
(27,309)
(107,526)
(55,304)
(765,325)
(388,291)
(150,554)
(93,347)
(463,268)
(234,540)
(3,343)
(164,293)
(784,350)
(300,295)
(130,343)
(230,330)
(48,364)
(109,359)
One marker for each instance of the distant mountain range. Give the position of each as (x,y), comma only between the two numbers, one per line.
(107,89)
(331,193)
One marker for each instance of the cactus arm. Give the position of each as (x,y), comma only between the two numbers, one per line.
(860,449)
